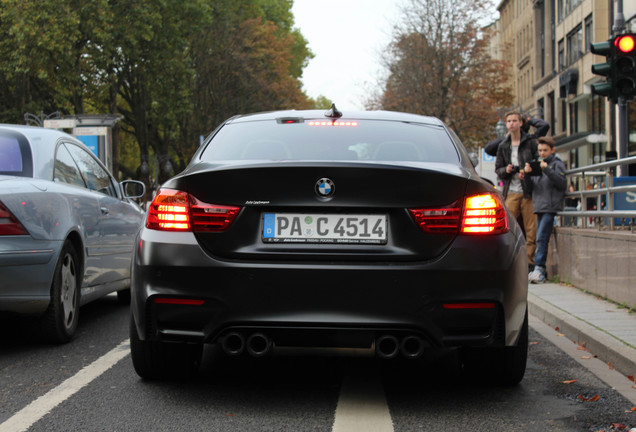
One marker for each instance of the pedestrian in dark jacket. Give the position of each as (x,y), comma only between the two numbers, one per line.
(541,128)
(548,193)
(512,155)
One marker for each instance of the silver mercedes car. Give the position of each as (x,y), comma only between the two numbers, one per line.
(67,228)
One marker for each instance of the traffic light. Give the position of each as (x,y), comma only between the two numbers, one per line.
(604,69)
(624,61)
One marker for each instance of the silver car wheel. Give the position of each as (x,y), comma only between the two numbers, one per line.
(68,290)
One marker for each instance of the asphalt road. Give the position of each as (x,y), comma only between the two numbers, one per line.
(90,385)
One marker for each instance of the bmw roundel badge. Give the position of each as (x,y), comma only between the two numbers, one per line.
(325,188)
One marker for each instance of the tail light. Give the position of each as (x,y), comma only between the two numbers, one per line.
(438,220)
(484,214)
(173,210)
(480,214)
(9,224)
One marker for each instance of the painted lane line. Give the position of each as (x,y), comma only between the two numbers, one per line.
(362,406)
(27,416)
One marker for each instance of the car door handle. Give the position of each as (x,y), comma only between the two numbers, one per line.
(104,210)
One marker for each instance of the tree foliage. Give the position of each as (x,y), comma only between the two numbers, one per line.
(173,70)
(439,65)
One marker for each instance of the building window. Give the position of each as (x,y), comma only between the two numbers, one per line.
(552,38)
(561,55)
(564,115)
(596,114)
(552,106)
(570,5)
(574,117)
(588,33)
(575,45)
(560,10)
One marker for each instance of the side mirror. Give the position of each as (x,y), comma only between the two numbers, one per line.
(133,188)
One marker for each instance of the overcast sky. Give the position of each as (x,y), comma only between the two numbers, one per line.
(347,38)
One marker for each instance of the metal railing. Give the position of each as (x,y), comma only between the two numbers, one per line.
(607,215)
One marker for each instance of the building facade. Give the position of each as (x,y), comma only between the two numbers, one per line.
(547,43)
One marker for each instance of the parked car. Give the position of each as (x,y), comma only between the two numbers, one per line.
(365,230)
(67,228)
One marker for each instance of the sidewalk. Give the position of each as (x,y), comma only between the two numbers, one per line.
(601,326)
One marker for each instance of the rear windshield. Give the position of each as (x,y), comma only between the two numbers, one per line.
(15,155)
(344,140)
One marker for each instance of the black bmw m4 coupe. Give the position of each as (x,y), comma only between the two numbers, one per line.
(366,231)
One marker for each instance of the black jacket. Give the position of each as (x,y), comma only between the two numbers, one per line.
(527,153)
(541,128)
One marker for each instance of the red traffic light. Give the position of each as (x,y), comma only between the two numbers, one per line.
(625,43)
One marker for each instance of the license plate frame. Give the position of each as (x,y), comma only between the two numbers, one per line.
(329,228)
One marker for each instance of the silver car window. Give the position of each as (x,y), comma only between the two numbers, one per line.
(66,170)
(94,175)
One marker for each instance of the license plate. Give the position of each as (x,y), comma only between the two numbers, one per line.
(324,228)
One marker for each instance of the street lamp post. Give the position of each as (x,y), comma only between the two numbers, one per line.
(501,129)
(39,120)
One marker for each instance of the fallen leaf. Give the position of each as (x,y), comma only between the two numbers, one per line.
(569,382)
(560,334)
(633,409)
(535,343)
(581,348)
(586,357)
(556,328)
(592,399)
(619,426)
(610,366)
(630,377)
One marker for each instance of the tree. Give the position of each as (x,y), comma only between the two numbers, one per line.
(173,70)
(439,65)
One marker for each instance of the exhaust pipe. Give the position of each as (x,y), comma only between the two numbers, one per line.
(258,344)
(233,343)
(412,346)
(387,346)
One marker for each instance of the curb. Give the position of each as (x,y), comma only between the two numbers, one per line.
(606,347)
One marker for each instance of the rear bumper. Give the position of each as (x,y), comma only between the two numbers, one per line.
(26,273)
(321,304)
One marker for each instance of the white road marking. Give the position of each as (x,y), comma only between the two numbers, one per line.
(27,416)
(362,406)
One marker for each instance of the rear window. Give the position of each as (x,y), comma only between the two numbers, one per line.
(15,155)
(346,140)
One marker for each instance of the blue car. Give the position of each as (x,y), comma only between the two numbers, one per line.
(67,228)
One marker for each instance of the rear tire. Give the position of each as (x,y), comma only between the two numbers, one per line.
(59,322)
(503,365)
(154,360)
(123,296)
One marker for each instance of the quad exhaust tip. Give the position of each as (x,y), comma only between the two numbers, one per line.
(388,346)
(257,344)
(233,343)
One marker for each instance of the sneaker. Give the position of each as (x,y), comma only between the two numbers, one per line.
(537,276)
(538,279)
(533,275)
